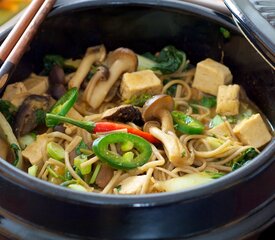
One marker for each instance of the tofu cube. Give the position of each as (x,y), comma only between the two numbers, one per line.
(37,84)
(210,75)
(15,93)
(137,83)
(228,100)
(34,151)
(223,129)
(253,131)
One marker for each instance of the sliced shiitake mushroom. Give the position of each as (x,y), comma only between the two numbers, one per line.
(30,113)
(124,113)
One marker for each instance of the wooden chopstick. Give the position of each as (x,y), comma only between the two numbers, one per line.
(18,29)
(20,47)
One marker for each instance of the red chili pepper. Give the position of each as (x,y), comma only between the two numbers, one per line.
(111,126)
(96,127)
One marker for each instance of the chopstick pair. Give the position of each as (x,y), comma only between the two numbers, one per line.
(16,43)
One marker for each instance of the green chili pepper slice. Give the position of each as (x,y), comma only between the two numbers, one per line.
(137,156)
(63,105)
(186,124)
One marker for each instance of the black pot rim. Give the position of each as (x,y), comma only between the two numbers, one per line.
(261,162)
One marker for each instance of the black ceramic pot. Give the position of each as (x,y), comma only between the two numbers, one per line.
(234,207)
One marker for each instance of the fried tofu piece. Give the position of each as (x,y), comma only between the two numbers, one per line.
(253,131)
(228,100)
(34,151)
(37,84)
(16,93)
(210,75)
(141,82)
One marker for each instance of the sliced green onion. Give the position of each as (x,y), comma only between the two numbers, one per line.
(52,172)
(95,173)
(33,170)
(79,160)
(56,151)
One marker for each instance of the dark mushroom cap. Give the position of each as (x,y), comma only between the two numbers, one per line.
(152,106)
(57,75)
(30,114)
(124,113)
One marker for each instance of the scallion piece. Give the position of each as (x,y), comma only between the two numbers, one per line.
(56,151)
(33,170)
(95,173)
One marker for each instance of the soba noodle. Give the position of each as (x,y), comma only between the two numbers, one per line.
(205,152)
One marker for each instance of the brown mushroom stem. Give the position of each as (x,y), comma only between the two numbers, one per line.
(102,74)
(121,60)
(93,54)
(166,121)
(172,146)
(158,108)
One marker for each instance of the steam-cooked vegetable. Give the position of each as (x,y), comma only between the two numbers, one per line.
(138,100)
(26,140)
(187,181)
(52,60)
(169,60)
(7,134)
(244,158)
(8,110)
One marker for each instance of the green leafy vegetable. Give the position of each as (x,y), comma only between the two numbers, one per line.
(81,145)
(52,60)
(214,175)
(8,110)
(171,90)
(208,101)
(167,61)
(244,158)
(40,116)
(217,120)
(16,149)
(138,100)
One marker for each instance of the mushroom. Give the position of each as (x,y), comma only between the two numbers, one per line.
(124,113)
(57,82)
(30,113)
(120,61)
(102,74)
(93,54)
(104,176)
(159,108)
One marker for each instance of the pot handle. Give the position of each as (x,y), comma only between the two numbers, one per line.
(217,5)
